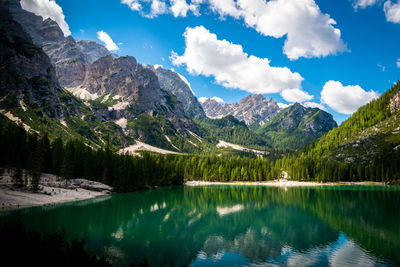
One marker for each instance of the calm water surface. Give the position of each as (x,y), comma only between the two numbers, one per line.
(233,226)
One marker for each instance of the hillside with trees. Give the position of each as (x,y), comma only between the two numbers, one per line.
(364,147)
(296,126)
(231,130)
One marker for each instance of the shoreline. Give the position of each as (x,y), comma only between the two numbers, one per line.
(282,183)
(12,199)
(52,191)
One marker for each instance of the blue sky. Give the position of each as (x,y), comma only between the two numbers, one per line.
(350,68)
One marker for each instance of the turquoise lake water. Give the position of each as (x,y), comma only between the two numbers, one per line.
(233,225)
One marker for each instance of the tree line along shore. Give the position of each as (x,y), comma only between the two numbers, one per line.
(73,159)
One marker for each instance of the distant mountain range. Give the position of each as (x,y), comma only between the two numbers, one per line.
(75,88)
(251,109)
(291,127)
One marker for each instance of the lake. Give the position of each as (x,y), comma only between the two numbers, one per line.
(233,225)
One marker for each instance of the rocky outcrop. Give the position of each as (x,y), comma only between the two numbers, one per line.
(214,110)
(92,50)
(64,53)
(28,78)
(133,83)
(178,86)
(91,185)
(395,103)
(251,109)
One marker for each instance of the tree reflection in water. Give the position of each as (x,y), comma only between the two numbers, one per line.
(234,224)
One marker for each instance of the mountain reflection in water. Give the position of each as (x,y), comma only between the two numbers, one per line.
(234,226)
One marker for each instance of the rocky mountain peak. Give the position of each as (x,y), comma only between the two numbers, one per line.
(28,77)
(64,53)
(311,120)
(41,31)
(251,109)
(256,98)
(92,50)
(134,88)
(177,85)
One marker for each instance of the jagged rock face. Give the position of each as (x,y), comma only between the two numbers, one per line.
(395,103)
(92,50)
(90,72)
(172,82)
(296,116)
(214,110)
(64,52)
(106,75)
(136,85)
(26,71)
(251,109)
(41,31)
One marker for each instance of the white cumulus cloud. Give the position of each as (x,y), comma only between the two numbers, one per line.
(392,11)
(133,4)
(148,8)
(106,39)
(345,99)
(154,8)
(157,8)
(398,62)
(180,8)
(309,32)
(282,105)
(216,98)
(296,95)
(364,3)
(314,105)
(225,8)
(202,99)
(230,66)
(47,9)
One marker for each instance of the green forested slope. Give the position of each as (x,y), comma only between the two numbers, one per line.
(296,126)
(231,130)
(74,159)
(364,147)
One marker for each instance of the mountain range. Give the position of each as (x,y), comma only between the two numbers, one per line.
(77,88)
(253,109)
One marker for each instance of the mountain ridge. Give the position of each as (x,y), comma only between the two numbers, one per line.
(296,126)
(177,85)
(251,109)
(146,103)
(115,89)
